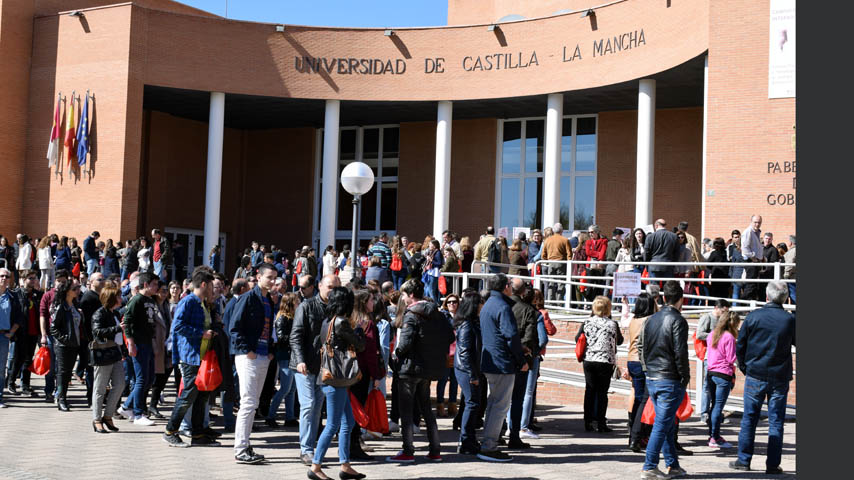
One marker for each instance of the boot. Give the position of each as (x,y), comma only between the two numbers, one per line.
(452,409)
(440,410)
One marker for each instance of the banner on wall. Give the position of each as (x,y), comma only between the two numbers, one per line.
(781,50)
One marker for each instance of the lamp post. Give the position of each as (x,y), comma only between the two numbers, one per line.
(357,179)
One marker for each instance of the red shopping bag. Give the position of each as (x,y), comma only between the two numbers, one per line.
(443,285)
(683,413)
(581,347)
(209,376)
(41,362)
(645,274)
(699,347)
(75,272)
(359,412)
(375,407)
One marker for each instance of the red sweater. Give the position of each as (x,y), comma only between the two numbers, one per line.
(595,249)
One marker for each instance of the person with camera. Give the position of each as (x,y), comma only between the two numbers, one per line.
(341,341)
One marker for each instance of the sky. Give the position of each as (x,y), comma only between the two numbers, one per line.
(334,13)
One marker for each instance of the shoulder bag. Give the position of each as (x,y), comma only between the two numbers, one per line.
(106,353)
(337,368)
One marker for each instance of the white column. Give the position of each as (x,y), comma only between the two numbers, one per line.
(705,133)
(646,148)
(551,163)
(216,123)
(330,174)
(442,192)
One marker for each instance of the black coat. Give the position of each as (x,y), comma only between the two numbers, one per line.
(665,346)
(305,338)
(283,327)
(425,339)
(526,321)
(62,325)
(469,346)
(661,246)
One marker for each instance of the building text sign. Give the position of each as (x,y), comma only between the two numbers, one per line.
(781,50)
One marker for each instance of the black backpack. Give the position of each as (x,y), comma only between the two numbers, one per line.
(493,253)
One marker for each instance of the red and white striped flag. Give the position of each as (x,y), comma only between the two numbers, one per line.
(53,146)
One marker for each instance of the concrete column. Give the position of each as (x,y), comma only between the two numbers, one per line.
(216,123)
(646,149)
(442,192)
(705,134)
(551,162)
(329,201)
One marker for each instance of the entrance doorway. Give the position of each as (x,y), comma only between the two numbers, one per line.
(187,249)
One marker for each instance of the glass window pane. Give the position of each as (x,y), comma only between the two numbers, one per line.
(348,145)
(566,147)
(391,142)
(368,207)
(532,214)
(565,197)
(390,166)
(510,153)
(388,207)
(371,144)
(535,131)
(585,201)
(509,214)
(345,209)
(585,154)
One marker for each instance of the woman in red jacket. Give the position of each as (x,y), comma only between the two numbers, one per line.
(595,249)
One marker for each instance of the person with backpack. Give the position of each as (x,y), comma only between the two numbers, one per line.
(398,272)
(486,250)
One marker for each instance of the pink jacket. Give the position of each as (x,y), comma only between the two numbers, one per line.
(721,358)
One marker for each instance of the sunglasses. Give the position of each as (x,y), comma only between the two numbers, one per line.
(454,302)
(4,276)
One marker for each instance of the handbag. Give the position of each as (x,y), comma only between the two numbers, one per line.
(41,362)
(337,368)
(106,353)
(581,347)
(396,263)
(209,375)
(699,347)
(443,285)
(683,413)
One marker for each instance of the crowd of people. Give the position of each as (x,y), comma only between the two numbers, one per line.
(324,331)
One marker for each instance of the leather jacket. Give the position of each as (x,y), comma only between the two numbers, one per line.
(469,345)
(526,321)
(105,325)
(305,338)
(664,351)
(283,325)
(62,325)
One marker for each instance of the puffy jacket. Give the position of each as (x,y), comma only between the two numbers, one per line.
(247,321)
(424,336)
(502,349)
(305,338)
(283,325)
(469,345)
(764,345)
(62,325)
(526,321)
(45,258)
(665,346)
(188,327)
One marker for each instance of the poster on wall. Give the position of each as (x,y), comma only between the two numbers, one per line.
(518,230)
(781,53)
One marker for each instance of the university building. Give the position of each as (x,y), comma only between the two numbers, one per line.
(515,114)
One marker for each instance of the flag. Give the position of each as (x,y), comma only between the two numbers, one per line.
(83,134)
(70,132)
(53,146)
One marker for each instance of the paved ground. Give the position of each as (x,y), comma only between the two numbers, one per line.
(40,442)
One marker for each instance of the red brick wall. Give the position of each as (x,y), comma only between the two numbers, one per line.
(468,12)
(677,167)
(746,130)
(16,36)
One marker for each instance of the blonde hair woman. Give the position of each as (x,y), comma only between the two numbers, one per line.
(46,264)
(603,335)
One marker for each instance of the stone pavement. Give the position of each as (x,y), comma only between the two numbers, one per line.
(40,442)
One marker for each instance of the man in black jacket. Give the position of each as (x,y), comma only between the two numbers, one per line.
(305,344)
(660,246)
(28,335)
(526,321)
(424,334)
(764,353)
(90,302)
(664,355)
(90,252)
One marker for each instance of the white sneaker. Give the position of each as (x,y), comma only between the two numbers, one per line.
(144,421)
(393,427)
(525,433)
(125,414)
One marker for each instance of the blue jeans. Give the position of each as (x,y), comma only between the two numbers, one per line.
(517,399)
(123,274)
(471,394)
(143,366)
(718,391)
(398,278)
(339,416)
(452,390)
(662,274)
(91,265)
(50,378)
(310,403)
(666,396)
(792,292)
(705,394)
(755,393)
(191,399)
(431,288)
(4,354)
(528,404)
(159,270)
(286,391)
(736,291)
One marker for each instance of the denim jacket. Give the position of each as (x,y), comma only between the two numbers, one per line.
(188,327)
